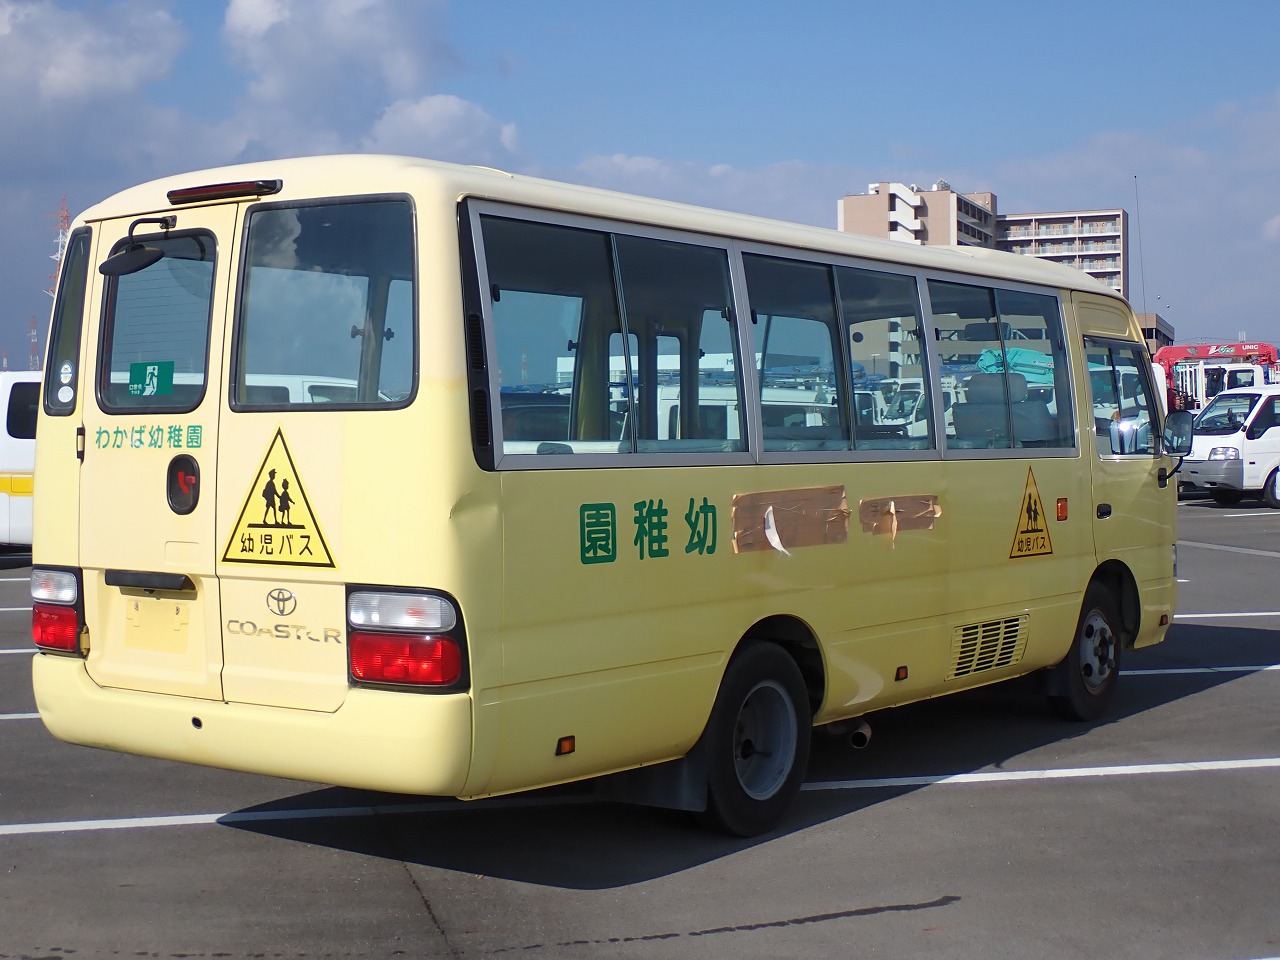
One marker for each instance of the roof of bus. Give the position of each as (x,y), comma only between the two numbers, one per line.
(350,174)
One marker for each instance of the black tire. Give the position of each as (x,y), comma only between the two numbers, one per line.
(757,741)
(1225,496)
(1084,683)
(1271,490)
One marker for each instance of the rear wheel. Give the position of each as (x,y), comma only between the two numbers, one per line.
(1271,490)
(757,741)
(1226,496)
(1085,681)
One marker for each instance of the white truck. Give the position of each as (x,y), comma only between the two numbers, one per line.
(19,401)
(1235,448)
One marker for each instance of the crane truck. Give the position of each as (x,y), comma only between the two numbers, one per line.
(1196,373)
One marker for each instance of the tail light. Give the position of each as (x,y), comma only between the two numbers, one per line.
(56,621)
(390,658)
(404,639)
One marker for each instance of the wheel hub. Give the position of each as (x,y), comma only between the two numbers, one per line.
(1098,652)
(764,740)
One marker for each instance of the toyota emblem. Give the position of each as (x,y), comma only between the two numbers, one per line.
(281,602)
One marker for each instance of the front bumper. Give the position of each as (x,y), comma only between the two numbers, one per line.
(1211,474)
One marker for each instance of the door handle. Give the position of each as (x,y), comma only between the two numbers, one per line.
(1104,511)
(149,580)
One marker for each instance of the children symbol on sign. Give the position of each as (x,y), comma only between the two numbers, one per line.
(269,495)
(287,531)
(284,501)
(1033,515)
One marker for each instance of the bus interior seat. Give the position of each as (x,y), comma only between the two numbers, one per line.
(983,418)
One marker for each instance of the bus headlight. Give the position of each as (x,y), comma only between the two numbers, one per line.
(1224,453)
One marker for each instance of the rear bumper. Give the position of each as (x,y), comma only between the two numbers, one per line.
(377,740)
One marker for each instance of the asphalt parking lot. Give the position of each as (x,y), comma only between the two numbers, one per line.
(975,826)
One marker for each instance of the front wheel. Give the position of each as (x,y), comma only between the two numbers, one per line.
(757,741)
(1225,496)
(1085,681)
(1271,490)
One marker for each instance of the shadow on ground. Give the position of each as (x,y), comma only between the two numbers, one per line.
(564,838)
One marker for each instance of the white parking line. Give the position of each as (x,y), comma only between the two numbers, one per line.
(260,816)
(26,609)
(1218,546)
(1163,671)
(1225,616)
(19,716)
(1069,773)
(27,650)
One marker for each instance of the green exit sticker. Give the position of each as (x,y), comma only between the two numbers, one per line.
(151,379)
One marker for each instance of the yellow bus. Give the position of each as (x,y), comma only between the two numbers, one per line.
(593,490)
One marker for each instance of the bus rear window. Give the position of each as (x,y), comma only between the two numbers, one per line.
(157,338)
(327,307)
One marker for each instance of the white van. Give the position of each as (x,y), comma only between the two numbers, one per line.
(19,400)
(1236,446)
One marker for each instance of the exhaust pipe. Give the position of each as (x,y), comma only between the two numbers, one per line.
(860,735)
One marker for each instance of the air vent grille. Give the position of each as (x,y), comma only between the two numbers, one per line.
(978,647)
(480,418)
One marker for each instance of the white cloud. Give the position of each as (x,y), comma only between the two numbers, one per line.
(54,59)
(307,52)
(78,79)
(443,127)
(789,190)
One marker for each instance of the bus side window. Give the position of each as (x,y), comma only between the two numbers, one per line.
(802,380)
(971,346)
(677,302)
(1013,346)
(610,343)
(881,317)
(61,375)
(1036,350)
(555,317)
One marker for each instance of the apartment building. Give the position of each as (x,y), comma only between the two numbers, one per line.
(1094,241)
(920,216)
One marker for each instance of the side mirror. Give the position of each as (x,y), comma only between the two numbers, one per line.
(1176,441)
(1177,433)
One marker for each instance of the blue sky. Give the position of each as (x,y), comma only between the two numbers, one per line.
(771,108)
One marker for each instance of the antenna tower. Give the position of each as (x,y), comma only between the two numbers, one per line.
(60,249)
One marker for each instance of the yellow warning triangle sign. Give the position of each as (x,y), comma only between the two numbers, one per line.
(1031,538)
(276,524)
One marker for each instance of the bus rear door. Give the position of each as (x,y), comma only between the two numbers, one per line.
(150,443)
